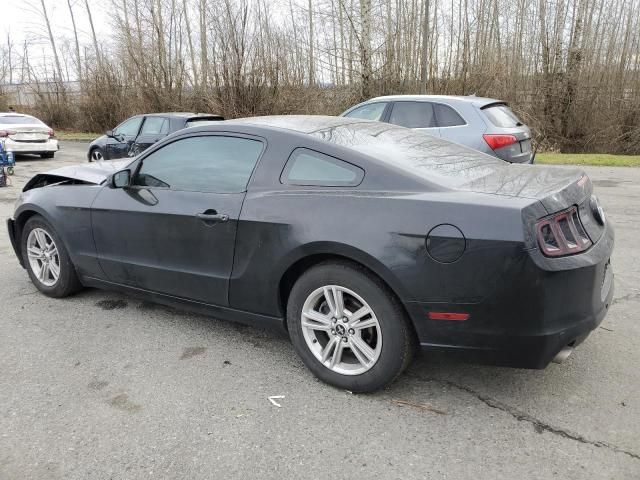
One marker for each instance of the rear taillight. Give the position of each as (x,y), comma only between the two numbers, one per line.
(6,133)
(499,141)
(562,234)
(51,133)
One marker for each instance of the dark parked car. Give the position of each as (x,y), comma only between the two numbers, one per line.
(361,238)
(136,134)
(484,124)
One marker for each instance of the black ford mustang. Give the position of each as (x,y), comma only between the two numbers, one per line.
(362,239)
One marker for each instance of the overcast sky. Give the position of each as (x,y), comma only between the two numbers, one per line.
(22,20)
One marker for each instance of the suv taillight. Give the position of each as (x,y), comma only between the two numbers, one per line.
(562,234)
(51,133)
(6,133)
(499,141)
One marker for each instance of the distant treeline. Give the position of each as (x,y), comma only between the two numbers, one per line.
(569,68)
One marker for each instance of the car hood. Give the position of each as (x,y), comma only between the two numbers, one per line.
(92,173)
(98,140)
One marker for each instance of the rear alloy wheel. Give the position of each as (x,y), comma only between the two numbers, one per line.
(47,260)
(341,330)
(348,328)
(96,155)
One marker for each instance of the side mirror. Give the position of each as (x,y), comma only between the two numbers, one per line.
(121,179)
(109,133)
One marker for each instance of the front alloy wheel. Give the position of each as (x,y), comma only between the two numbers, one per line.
(96,155)
(44,258)
(341,330)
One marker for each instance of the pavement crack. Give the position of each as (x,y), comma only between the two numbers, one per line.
(624,298)
(538,425)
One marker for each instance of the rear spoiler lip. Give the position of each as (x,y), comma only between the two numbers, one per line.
(493,104)
(205,117)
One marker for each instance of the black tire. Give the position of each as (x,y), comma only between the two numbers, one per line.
(96,151)
(398,343)
(47,155)
(67,282)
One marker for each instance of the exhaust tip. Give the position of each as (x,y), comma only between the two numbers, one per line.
(563,355)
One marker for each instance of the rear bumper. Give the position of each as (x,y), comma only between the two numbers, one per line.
(535,350)
(535,313)
(47,146)
(525,157)
(13,237)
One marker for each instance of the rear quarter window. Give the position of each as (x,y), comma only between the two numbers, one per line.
(502,116)
(310,168)
(447,116)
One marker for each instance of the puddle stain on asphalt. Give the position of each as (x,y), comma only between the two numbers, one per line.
(122,402)
(150,306)
(190,352)
(110,304)
(605,183)
(97,385)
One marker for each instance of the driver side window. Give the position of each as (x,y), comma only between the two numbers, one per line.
(212,163)
(129,128)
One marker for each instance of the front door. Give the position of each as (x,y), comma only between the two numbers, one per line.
(153,130)
(173,230)
(119,144)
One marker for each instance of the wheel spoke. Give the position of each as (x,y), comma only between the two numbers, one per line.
(361,358)
(34,252)
(329,348)
(316,321)
(324,327)
(44,273)
(370,322)
(361,350)
(41,239)
(328,296)
(55,270)
(337,353)
(358,314)
(317,317)
(339,301)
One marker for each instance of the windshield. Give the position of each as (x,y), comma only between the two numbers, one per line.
(19,120)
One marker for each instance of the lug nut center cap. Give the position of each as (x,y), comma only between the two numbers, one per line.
(341,330)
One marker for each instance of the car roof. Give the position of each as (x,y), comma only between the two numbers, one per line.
(14,114)
(300,123)
(477,101)
(181,114)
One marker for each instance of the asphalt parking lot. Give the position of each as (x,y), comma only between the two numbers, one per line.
(102,386)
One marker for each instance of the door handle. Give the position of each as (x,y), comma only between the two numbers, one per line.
(210,217)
